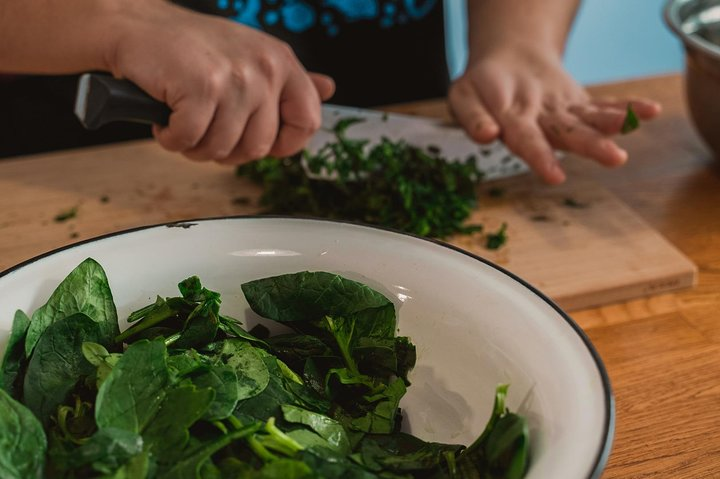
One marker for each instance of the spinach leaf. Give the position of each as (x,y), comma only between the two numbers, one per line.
(402,452)
(139,396)
(327,428)
(85,290)
(326,463)
(383,415)
(22,441)
(286,469)
(167,434)
(507,446)
(137,386)
(249,364)
(106,451)
(189,464)
(58,364)
(222,379)
(98,356)
(310,296)
(502,450)
(14,358)
(231,327)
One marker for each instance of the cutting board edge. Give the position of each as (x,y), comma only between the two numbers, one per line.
(618,294)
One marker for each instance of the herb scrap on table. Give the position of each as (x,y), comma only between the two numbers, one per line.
(187,392)
(496,240)
(573,203)
(66,215)
(390,184)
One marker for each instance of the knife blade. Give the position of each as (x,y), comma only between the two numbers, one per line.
(103,99)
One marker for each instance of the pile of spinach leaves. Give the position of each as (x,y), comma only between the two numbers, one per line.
(392,184)
(186,392)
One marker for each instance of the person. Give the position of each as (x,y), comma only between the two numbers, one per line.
(238,93)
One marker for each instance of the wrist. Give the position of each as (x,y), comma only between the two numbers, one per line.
(515,50)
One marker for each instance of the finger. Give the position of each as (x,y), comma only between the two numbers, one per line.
(471,114)
(300,115)
(223,135)
(645,109)
(259,135)
(608,121)
(567,132)
(187,125)
(523,136)
(324,85)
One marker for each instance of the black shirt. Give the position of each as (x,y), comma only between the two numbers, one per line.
(378,52)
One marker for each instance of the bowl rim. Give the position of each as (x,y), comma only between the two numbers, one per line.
(671,14)
(605,448)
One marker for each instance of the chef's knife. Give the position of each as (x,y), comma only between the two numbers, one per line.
(103,99)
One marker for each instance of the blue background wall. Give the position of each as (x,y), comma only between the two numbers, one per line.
(611,40)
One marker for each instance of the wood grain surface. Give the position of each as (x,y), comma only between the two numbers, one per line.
(662,352)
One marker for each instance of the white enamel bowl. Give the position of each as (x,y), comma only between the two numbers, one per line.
(474,324)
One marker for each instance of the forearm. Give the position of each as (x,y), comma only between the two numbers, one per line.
(59,36)
(541,23)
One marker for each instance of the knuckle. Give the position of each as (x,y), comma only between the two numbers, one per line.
(256,150)
(285,52)
(268,65)
(313,122)
(215,81)
(220,153)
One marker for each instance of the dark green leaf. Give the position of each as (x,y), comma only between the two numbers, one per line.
(310,296)
(222,379)
(507,447)
(22,441)
(58,364)
(188,466)
(14,358)
(134,391)
(166,435)
(106,451)
(85,290)
(327,428)
(249,364)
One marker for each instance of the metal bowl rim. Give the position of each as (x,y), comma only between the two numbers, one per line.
(672,19)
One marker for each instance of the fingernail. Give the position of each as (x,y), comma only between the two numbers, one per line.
(556,174)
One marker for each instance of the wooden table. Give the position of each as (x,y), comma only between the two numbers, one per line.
(662,353)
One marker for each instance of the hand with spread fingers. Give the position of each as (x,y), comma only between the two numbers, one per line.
(515,88)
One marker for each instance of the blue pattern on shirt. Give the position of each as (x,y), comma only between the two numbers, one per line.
(297,16)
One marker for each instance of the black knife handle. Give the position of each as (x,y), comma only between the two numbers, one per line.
(103,99)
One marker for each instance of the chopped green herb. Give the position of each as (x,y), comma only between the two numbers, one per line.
(104,199)
(187,392)
(66,215)
(496,240)
(540,218)
(392,184)
(74,235)
(385,116)
(496,192)
(241,200)
(573,203)
(631,121)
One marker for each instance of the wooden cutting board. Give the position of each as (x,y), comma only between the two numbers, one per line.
(577,243)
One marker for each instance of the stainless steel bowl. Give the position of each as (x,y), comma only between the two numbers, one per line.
(697,23)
